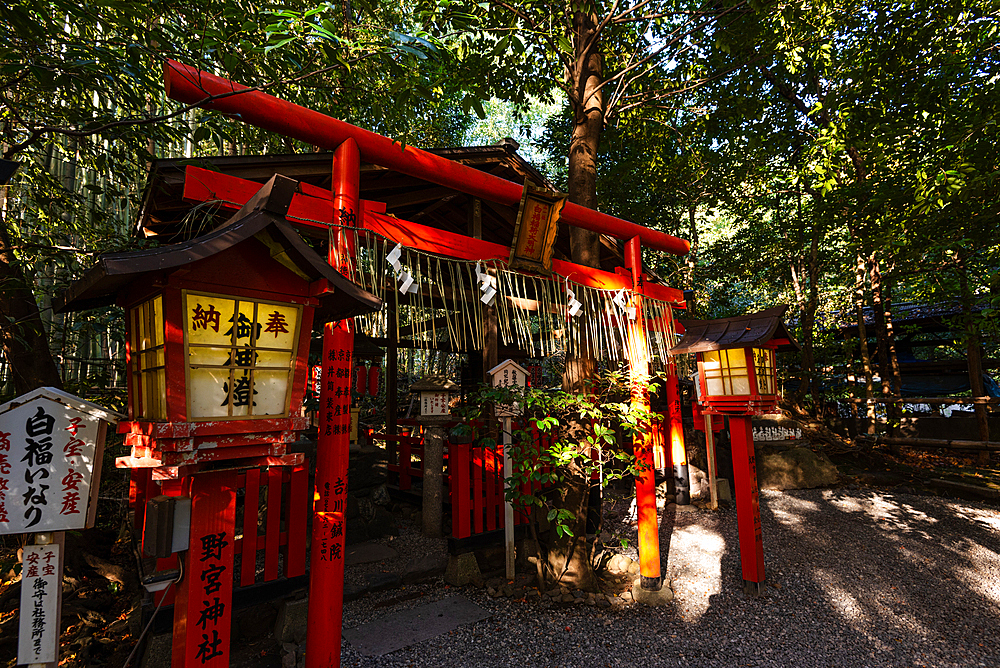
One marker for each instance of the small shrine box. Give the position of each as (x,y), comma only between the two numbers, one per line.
(435,395)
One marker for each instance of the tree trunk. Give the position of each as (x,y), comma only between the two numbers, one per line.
(807,308)
(866,364)
(974,353)
(23,336)
(691,261)
(569,556)
(882,342)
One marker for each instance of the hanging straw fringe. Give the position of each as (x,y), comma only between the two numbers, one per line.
(532,311)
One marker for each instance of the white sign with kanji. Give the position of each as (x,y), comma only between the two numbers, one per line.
(38,633)
(434,403)
(51,446)
(509,374)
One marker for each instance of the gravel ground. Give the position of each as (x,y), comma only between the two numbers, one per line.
(857,577)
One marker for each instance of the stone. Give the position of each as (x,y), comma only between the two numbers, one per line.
(290,625)
(367,553)
(288,655)
(352,507)
(255,622)
(725,493)
(660,597)
(618,563)
(425,568)
(568,598)
(353,592)
(383,523)
(462,569)
(380,496)
(413,625)
(699,483)
(158,649)
(633,568)
(603,602)
(795,468)
(382,581)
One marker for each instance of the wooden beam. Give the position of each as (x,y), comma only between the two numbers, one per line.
(315,205)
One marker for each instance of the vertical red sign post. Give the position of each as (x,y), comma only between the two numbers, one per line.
(326,556)
(737,377)
(203,609)
(747,503)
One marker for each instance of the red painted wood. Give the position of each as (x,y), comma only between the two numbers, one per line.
(461,495)
(490,475)
(273,530)
(477,489)
(251,506)
(173,355)
(747,499)
(190,85)
(298,509)
(163,430)
(203,605)
(405,445)
(326,554)
(422,237)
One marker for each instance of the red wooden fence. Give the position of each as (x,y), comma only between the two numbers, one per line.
(268,518)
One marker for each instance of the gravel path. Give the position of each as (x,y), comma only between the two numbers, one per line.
(857,577)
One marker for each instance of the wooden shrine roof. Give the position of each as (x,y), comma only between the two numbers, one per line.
(167,216)
(741,331)
(262,215)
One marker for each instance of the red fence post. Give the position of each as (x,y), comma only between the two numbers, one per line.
(458,467)
(251,506)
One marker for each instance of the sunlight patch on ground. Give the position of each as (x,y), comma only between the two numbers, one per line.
(886,512)
(983,560)
(699,576)
(989,518)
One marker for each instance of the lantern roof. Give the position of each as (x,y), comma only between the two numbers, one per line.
(741,331)
(263,217)
(434,384)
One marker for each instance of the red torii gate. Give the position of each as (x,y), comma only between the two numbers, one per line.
(350,145)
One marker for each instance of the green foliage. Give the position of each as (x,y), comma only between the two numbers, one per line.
(558,436)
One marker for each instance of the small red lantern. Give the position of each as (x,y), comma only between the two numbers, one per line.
(374,373)
(361,379)
(737,377)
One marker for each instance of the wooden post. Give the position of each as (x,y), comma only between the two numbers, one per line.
(508,508)
(713,485)
(747,504)
(642,443)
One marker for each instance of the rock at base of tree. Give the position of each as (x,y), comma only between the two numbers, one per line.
(462,569)
(796,468)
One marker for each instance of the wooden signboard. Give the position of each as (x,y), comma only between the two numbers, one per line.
(535,230)
(51,448)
